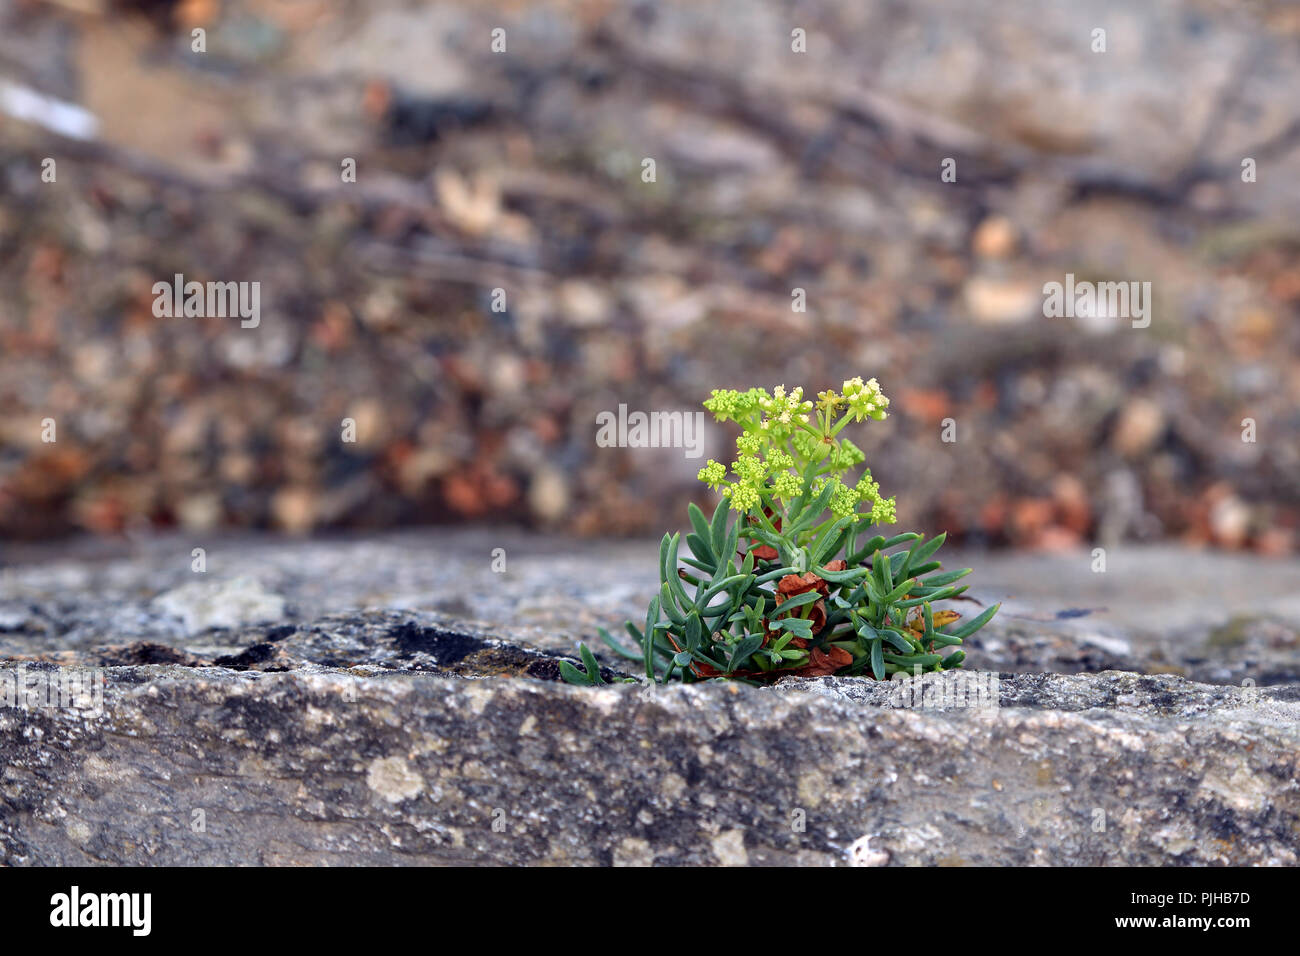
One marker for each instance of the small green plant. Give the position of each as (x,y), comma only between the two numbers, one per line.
(795,583)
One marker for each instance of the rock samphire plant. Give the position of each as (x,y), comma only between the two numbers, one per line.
(789,576)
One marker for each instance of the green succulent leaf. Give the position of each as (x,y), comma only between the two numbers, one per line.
(742,651)
(948,577)
(847,576)
(798,626)
(974,624)
(703,534)
(898,640)
(616,647)
(589,676)
(708,567)
(912,660)
(700,547)
(718,528)
(798,601)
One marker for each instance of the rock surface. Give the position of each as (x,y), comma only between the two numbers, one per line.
(397,701)
(1211,617)
(218,766)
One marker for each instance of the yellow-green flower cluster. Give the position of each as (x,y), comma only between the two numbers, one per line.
(713,474)
(757,461)
(750,469)
(744,497)
(883,510)
(844,500)
(783,444)
(783,413)
(786,485)
(865,400)
(730,405)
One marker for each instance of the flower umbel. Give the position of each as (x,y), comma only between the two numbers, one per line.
(781,431)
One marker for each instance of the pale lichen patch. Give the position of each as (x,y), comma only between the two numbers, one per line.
(729,848)
(393,779)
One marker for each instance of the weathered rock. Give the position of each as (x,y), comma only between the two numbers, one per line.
(212,765)
(364,642)
(345,729)
(205,605)
(1216,618)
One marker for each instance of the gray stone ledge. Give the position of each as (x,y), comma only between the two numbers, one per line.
(322,766)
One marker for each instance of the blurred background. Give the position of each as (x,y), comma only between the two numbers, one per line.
(522,171)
